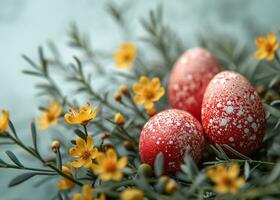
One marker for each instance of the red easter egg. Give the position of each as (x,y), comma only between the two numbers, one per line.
(174,133)
(232,113)
(189,79)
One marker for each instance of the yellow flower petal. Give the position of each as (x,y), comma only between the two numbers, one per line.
(87,191)
(159,94)
(87,163)
(132,194)
(139,99)
(93,153)
(144,80)
(4,121)
(122,163)
(260,54)
(75,152)
(111,154)
(77,163)
(260,41)
(233,170)
(89,143)
(70,119)
(116,176)
(105,176)
(78,197)
(271,38)
(270,56)
(137,88)
(100,157)
(155,83)
(80,143)
(97,169)
(149,104)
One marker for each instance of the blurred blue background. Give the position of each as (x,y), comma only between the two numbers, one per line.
(25,24)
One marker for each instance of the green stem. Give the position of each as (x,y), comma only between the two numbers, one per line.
(27,168)
(137,110)
(85,129)
(43,161)
(241,161)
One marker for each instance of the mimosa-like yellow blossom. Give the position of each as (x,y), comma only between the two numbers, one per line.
(64,183)
(119,119)
(87,194)
(226,179)
(4,121)
(148,91)
(267,47)
(125,55)
(132,194)
(50,116)
(84,152)
(108,166)
(82,116)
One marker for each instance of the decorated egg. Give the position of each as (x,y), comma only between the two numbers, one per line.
(174,133)
(189,79)
(232,113)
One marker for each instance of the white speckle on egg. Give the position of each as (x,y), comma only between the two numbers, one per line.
(224,122)
(231,139)
(229,109)
(250,119)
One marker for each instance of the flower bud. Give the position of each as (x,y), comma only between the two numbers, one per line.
(104,135)
(151,111)
(261,90)
(119,119)
(160,186)
(118,96)
(128,145)
(55,145)
(145,170)
(124,90)
(170,187)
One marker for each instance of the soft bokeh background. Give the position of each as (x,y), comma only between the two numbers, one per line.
(25,24)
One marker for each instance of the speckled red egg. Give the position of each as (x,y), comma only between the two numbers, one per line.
(189,79)
(232,113)
(174,133)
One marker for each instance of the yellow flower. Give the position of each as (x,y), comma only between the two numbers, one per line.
(87,194)
(226,179)
(50,116)
(108,166)
(125,55)
(83,153)
(119,119)
(82,116)
(4,121)
(267,47)
(132,194)
(64,183)
(148,91)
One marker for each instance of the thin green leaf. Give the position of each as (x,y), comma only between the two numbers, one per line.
(80,133)
(13,128)
(21,178)
(34,135)
(232,150)
(13,158)
(246,170)
(159,164)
